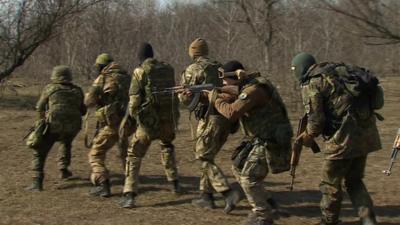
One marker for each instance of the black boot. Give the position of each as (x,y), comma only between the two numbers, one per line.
(253,219)
(128,200)
(65,174)
(37,184)
(102,189)
(232,197)
(176,187)
(206,200)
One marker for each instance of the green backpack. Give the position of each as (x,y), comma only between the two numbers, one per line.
(157,107)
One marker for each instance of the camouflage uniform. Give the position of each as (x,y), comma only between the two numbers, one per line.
(346,147)
(109,94)
(264,120)
(212,132)
(156,115)
(61,105)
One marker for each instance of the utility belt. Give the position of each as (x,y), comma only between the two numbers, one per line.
(242,152)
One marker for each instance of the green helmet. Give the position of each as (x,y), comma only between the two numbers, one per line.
(104,59)
(61,74)
(301,63)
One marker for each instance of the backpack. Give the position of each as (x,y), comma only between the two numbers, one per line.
(157,107)
(356,91)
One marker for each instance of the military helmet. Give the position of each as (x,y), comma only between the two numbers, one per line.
(62,74)
(104,59)
(198,47)
(301,63)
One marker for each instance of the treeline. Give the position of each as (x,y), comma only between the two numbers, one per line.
(263,34)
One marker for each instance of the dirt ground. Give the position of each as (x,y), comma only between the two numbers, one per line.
(68,202)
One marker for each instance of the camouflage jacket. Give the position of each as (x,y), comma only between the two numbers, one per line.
(109,93)
(201,71)
(354,136)
(62,105)
(152,109)
(263,116)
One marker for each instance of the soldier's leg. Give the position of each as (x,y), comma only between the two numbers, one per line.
(136,151)
(64,156)
(358,193)
(104,140)
(38,162)
(333,173)
(168,160)
(251,179)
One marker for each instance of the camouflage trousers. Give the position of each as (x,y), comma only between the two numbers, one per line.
(137,150)
(251,178)
(40,153)
(211,137)
(105,140)
(351,171)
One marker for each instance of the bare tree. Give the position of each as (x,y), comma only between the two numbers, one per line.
(378,20)
(261,17)
(27,24)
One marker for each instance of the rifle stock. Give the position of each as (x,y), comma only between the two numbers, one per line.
(297,148)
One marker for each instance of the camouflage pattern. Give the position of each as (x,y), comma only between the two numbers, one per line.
(109,94)
(333,174)
(61,105)
(264,120)
(156,116)
(345,150)
(213,131)
(355,137)
(251,179)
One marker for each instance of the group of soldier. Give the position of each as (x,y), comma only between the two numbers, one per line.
(139,106)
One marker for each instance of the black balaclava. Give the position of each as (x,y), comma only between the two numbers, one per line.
(145,52)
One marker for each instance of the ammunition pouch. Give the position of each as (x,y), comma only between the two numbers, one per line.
(241,153)
(109,115)
(35,138)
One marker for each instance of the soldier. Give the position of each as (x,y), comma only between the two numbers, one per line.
(268,132)
(109,94)
(348,125)
(156,115)
(61,106)
(212,131)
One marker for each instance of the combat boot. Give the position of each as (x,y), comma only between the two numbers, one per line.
(176,187)
(128,200)
(102,189)
(206,201)
(65,174)
(253,219)
(37,185)
(232,197)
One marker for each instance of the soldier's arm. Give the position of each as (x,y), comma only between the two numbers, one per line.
(137,84)
(314,106)
(83,108)
(42,103)
(251,97)
(93,96)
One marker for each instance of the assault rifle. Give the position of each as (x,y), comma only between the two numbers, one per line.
(196,90)
(393,155)
(297,147)
(222,74)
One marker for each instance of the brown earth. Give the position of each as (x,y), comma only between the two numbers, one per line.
(68,202)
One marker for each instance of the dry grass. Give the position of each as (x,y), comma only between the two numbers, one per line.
(69,203)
